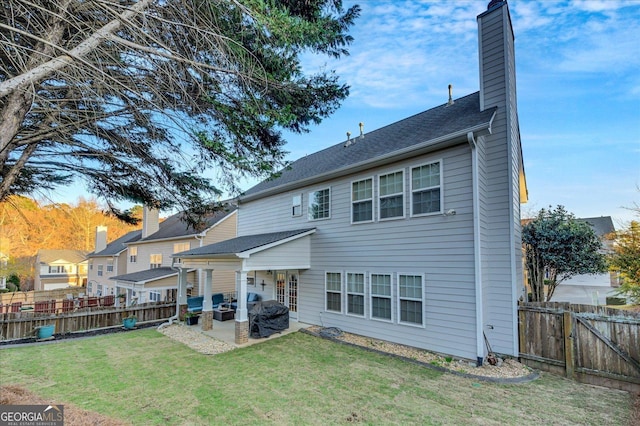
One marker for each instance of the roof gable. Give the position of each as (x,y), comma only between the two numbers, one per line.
(431,125)
(61,256)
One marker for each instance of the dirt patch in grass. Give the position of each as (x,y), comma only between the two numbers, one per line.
(635,411)
(73,416)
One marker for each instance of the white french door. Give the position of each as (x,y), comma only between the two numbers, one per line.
(287,291)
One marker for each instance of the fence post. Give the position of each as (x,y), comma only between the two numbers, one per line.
(567,331)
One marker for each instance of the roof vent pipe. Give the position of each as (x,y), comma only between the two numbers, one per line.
(450,95)
(348,139)
(361,130)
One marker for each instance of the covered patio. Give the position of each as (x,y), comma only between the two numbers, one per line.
(285,250)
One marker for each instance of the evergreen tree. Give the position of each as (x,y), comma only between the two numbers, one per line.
(139,98)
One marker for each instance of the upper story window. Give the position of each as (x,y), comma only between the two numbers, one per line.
(100,269)
(333,289)
(381,296)
(296,205)
(320,204)
(362,201)
(391,197)
(180,247)
(57,269)
(355,294)
(426,184)
(133,254)
(91,265)
(410,299)
(109,265)
(155,261)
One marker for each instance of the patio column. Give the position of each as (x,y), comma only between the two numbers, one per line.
(182,293)
(207,305)
(242,322)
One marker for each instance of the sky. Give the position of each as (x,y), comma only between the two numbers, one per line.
(578,88)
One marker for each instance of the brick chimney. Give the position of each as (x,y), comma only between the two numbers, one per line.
(101,238)
(150,221)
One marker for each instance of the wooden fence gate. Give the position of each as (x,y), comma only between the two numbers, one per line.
(591,344)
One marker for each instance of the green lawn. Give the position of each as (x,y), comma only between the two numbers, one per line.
(146,378)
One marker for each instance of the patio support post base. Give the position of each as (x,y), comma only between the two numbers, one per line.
(207,320)
(242,332)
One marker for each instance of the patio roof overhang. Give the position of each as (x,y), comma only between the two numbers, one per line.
(275,250)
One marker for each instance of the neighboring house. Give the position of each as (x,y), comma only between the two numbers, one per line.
(60,269)
(107,261)
(603,228)
(410,233)
(138,265)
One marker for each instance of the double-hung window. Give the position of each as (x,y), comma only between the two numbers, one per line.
(362,201)
(426,189)
(110,265)
(333,289)
(180,247)
(355,294)
(155,261)
(133,254)
(391,198)
(154,296)
(381,296)
(410,299)
(100,269)
(296,205)
(320,204)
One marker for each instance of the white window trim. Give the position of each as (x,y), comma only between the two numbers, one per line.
(422,300)
(309,204)
(342,275)
(432,187)
(100,270)
(363,294)
(110,266)
(372,199)
(371,296)
(404,195)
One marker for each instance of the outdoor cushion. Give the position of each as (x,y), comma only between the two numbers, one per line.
(194,304)
(217,299)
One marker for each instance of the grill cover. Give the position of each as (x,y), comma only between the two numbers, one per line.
(267,318)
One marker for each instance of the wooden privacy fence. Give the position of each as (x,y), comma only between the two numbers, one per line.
(591,344)
(20,325)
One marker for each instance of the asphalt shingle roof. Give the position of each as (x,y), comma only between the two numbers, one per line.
(602,225)
(241,244)
(173,226)
(51,255)
(421,128)
(147,275)
(118,245)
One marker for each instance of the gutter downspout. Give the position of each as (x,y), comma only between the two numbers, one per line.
(477,255)
(177,315)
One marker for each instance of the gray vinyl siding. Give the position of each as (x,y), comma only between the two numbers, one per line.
(501,210)
(437,247)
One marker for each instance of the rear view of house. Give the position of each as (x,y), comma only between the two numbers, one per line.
(409,233)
